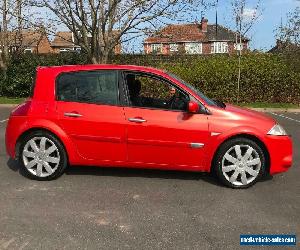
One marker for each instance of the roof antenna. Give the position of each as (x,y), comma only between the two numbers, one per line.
(203,10)
(217,3)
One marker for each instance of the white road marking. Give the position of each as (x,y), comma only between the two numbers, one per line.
(4,121)
(286,117)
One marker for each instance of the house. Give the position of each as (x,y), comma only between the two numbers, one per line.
(284,47)
(29,41)
(195,38)
(65,41)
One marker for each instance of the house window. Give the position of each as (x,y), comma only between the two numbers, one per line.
(156,48)
(193,48)
(238,46)
(64,49)
(173,47)
(28,50)
(219,47)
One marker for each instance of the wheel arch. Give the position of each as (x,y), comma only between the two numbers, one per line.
(66,143)
(246,136)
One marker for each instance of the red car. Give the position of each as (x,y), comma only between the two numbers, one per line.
(130,116)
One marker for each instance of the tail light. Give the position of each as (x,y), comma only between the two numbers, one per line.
(22,109)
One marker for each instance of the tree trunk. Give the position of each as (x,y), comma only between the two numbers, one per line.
(4,41)
(3,69)
(101,58)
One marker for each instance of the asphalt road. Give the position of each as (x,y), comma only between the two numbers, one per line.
(97,208)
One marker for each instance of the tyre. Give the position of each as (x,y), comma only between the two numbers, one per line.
(239,163)
(42,156)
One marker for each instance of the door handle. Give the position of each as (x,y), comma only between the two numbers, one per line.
(137,120)
(72,114)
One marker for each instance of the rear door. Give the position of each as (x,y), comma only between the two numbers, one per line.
(89,112)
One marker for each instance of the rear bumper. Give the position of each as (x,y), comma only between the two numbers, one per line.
(15,127)
(281,153)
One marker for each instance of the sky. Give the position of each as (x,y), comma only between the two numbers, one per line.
(262,34)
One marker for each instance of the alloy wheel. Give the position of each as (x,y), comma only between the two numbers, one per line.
(241,165)
(41,156)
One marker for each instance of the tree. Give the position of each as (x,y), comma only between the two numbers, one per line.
(11,27)
(100,25)
(290,32)
(288,39)
(244,19)
(4,37)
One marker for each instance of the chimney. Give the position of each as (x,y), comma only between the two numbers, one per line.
(204,22)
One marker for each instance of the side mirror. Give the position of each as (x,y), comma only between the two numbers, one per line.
(193,107)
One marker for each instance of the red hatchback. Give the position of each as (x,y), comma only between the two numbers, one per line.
(130,116)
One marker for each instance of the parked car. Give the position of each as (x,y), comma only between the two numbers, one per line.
(131,116)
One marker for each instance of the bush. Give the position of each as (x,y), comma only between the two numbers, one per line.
(21,71)
(265,77)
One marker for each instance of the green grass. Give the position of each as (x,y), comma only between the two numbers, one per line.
(9,100)
(269,105)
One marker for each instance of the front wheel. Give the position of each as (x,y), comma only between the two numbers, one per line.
(240,163)
(42,156)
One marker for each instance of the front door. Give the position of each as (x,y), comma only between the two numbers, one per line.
(89,112)
(159,130)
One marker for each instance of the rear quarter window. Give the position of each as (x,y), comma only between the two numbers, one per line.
(32,86)
(98,87)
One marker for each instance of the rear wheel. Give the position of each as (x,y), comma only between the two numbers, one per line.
(42,156)
(240,163)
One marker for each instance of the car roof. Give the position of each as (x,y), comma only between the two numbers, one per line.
(69,68)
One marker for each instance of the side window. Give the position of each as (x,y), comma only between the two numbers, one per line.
(151,92)
(99,87)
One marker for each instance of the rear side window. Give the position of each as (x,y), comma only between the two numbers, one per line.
(98,87)
(32,86)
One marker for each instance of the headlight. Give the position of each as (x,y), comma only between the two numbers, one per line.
(277,130)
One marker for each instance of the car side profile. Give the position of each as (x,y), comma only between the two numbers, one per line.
(140,117)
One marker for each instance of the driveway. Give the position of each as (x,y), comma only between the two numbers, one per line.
(102,208)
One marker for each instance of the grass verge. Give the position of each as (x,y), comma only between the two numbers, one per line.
(10,100)
(270,105)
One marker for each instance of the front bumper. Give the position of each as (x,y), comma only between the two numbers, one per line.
(281,153)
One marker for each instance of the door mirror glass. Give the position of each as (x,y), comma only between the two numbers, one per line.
(193,107)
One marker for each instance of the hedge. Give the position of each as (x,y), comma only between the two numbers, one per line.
(264,78)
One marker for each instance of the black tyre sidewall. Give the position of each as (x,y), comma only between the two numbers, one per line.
(62,152)
(225,147)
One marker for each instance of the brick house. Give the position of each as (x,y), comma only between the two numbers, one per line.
(196,38)
(64,41)
(284,47)
(30,41)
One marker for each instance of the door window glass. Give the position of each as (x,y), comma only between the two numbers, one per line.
(151,92)
(99,87)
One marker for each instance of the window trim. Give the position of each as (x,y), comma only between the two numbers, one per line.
(174,50)
(188,44)
(215,47)
(157,45)
(118,104)
(157,77)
